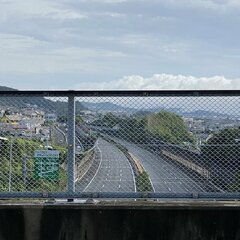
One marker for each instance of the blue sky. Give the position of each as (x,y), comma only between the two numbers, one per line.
(120,44)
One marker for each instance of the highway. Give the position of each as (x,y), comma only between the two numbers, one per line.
(58,136)
(113,173)
(165,177)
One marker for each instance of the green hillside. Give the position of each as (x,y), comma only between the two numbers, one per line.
(57,105)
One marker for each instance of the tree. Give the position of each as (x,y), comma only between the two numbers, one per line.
(223,146)
(133,129)
(221,155)
(62,119)
(110,120)
(79,120)
(168,127)
(17,149)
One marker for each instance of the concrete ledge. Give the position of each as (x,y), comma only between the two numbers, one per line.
(135,220)
(84,204)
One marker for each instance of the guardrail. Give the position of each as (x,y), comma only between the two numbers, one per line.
(120,144)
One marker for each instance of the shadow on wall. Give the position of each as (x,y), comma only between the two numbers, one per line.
(12,224)
(119,224)
(140,225)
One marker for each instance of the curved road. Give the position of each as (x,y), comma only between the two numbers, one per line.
(114,172)
(165,177)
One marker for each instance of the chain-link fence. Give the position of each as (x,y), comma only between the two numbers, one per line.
(120,144)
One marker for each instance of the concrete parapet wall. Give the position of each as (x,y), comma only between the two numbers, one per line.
(132,221)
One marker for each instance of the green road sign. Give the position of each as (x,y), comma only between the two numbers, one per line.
(46,164)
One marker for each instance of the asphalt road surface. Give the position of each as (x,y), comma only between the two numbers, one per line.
(165,177)
(58,136)
(114,172)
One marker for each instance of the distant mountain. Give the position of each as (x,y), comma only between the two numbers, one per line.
(158,109)
(205,114)
(2,88)
(141,113)
(108,107)
(57,105)
(113,107)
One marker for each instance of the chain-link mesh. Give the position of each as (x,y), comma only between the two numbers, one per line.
(169,145)
(158,144)
(33,144)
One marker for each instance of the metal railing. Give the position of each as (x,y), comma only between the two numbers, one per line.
(120,144)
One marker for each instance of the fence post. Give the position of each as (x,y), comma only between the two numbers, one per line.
(71,144)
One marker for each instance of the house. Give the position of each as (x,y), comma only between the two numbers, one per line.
(2,113)
(30,124)
(51,117)
(32,113)
(10,119)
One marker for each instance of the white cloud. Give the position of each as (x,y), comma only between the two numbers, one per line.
(167,82)
(36,9)
(119,40)
(24,54)
(107,1)
(111,14)
(13,43)
(65,15)
(210,4)
(86,53)
(213,4)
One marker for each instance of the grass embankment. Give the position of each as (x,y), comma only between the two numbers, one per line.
(143,183)
(142,179)
(84,162)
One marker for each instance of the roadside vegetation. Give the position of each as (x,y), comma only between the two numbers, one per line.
(168,127)
(143,182)
(17,167)
(222,152)
(162,126)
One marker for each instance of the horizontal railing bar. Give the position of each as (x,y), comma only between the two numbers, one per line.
(120,195)
(224,195)
(109,195)
(118,93)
